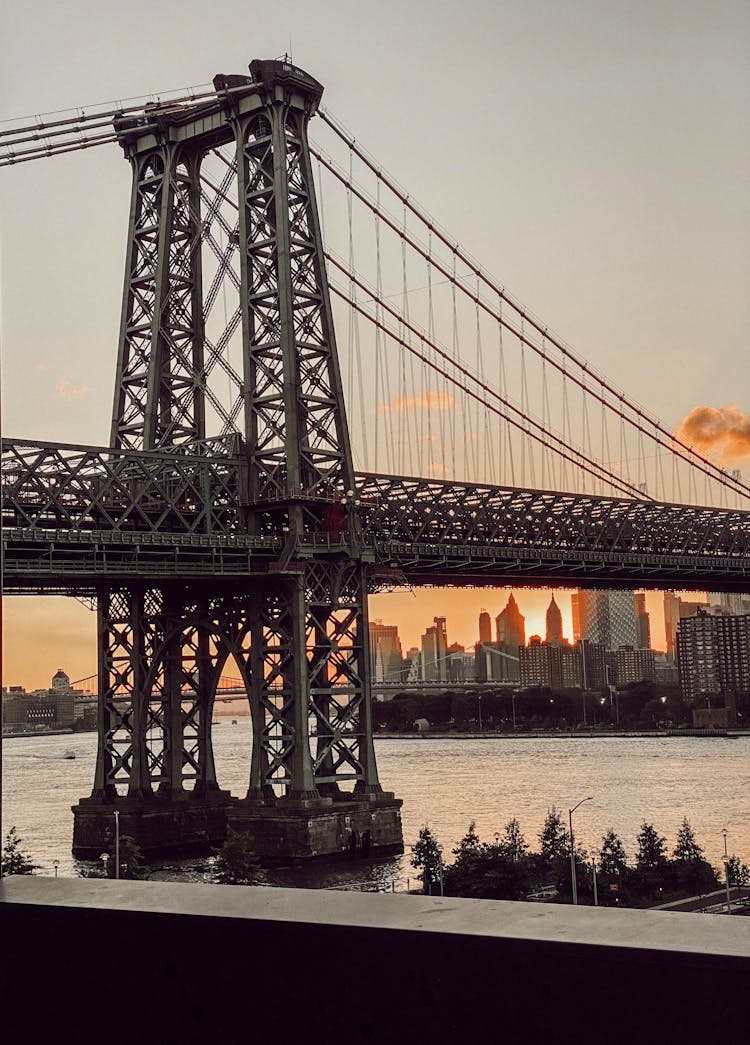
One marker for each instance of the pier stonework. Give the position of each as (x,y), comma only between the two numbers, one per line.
(296,624)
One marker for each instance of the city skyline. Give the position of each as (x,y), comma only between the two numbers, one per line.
(69,628)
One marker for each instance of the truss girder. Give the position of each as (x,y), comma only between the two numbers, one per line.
(421,511)
(76,488)
(91,512)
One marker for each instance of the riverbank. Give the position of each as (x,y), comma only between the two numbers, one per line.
(562,734)
(29,735)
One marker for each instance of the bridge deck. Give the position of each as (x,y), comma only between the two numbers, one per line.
(76,517)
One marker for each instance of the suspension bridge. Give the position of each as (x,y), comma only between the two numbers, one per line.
(319,394)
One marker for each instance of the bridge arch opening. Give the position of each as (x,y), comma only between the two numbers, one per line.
(232,730)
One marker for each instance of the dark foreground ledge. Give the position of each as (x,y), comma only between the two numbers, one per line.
(104,961)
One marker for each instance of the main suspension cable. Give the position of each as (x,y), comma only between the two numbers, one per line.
(672,444)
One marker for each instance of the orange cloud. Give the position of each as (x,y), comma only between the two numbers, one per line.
(719,432)
(432,400)
(67,390)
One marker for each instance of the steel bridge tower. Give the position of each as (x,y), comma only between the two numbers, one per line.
(297,625)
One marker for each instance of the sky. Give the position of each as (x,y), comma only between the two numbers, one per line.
(594,156)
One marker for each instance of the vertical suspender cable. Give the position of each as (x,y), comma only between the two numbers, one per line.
(405,310)
(564,463)
(454,345)
(508,444)
(439,399)
(385,375)
(484,429)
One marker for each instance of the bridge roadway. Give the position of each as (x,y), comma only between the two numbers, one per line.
(75,518)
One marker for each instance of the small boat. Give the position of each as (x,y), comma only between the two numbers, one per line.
(69,753)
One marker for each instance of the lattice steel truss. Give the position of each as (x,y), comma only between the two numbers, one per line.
(277,471)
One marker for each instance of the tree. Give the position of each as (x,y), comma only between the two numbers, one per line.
(131,859)
(687,849)
(236,863)
(487,872)
(690,868)
(651,855)
(737,872)
(513,844)
(14,859)
(427,855)
(470,840)
(612,859)
(554,840)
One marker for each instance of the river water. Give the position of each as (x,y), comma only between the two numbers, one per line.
(443,782)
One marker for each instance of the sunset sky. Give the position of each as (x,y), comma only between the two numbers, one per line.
(593,155)
(43,634)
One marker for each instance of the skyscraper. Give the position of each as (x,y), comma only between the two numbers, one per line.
(554,628)
(386,658)
(575,607)
(485,627)
(643,622)
(608,618)
(434,652)
(510,626)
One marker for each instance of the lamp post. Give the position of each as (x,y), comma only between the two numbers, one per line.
(479,703)
(117,843)
(573,882)
(55,864)
(726,871)
(513,699)
(593,873)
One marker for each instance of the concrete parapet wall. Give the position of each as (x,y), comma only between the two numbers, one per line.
(164,963)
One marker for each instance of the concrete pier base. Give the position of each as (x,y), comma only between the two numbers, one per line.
(282,831)
(156,824)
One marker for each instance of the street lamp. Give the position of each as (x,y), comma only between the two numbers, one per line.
(573,848)
(726,871)
(55,864)
(479,701)
(593,873)
(117,843)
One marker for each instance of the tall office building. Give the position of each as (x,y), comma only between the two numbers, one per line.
(713,655)
(510,630)
(643,622)
(608,618)
(435,652)
(554,628)
(485,627)
(510,625)
(386,657)
(575,607)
